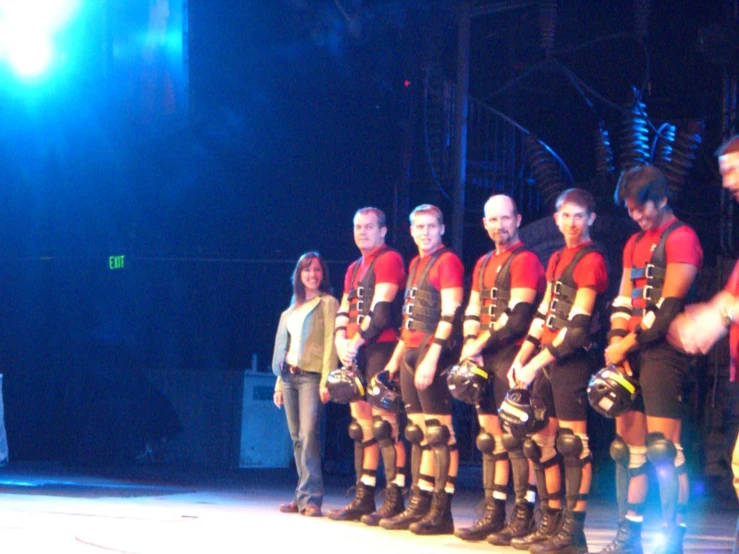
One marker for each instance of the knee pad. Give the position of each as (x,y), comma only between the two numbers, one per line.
(414,434)
(438,435)
(619,451)
(485,442)
(355,431)
(569,444)
(382,431)
(545,444)
(660,451)
(531,450)
(511,443)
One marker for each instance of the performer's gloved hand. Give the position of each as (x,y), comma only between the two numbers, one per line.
(697,329)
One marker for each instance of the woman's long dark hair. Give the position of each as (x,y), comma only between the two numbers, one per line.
(298,288)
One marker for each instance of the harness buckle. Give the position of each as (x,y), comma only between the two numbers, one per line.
(649,271)
(647,292)
(553,304)
(360,291)
(557,287)
(412,292)
(360,305)
(550,321)
(408,309)
(491,310)
(494,293)
(407,324)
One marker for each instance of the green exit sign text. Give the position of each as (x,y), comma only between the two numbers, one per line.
(116,262)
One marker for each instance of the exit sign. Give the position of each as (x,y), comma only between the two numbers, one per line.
(116,262)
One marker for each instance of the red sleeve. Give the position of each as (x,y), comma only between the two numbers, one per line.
(683,247)
(348,278)
(448,272)
(476,274)
(591,272)
(526,271)
(389,268)
(732,285)
(629,251)
(551,267)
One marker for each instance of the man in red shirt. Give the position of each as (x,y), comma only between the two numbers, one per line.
(366,334)
(698,328)
(660,264)
(433,298)
(507,284)
(556,360)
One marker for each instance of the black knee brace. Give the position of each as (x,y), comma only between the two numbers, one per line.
(383,433)
(438,437)
(357,434)
(661,452)
(414,434)
(533,452)
(570,446)
(519,466)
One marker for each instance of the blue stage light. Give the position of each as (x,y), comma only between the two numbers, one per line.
(28,30)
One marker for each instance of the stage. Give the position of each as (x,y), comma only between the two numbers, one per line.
(148,510)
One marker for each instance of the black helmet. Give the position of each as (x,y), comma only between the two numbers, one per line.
(345,385)
(611,392)
(383,392)
(467,382)
(521,414)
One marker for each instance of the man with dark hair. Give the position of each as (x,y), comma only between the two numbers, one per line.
(660,263)
(556,360)
(507,283)
(698,328)
(366,335)
(433,298)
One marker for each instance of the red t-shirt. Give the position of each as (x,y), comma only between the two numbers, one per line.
(526,272)
(732,286)
(388,268)
(590,272)
(682,246)
(446,273)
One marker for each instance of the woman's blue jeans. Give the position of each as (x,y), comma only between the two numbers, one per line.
(303,410)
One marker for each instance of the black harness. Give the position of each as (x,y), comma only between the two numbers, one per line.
(654,271)
(500,293)
(422,302)
(365,289)
(564,289)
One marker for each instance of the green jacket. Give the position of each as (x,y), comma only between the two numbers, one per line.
(317,351)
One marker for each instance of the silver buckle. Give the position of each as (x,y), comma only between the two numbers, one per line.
(557,287)
(553,304)
(494,293)
(646,292)
(550,321)
(649,271)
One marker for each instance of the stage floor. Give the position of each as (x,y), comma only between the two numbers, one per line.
(50,509)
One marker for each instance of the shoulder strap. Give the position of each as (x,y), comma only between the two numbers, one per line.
(503,279)
(566,276)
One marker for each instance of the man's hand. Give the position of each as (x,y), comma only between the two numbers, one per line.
(512,379)
(425,373)
(469,351)
(614,353)
(524,375)
(697,329)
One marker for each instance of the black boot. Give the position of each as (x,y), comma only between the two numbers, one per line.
(392,506)
(628,539)
(569,538)
(550,521)
(521,524)
(418,505)
(672,540)
(363,503)
(438,520)
(492,521)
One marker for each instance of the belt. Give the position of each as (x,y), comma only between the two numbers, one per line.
(293,369)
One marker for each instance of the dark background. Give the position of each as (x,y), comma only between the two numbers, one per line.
(212,169)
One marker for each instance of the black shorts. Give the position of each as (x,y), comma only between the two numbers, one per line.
(372,358)
(436,399)
(497,364)
(562,386)
(663,373)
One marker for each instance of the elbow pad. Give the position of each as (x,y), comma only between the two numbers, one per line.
(621,308)
(654,327)
(576,337)
(379,321)
(517,325)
